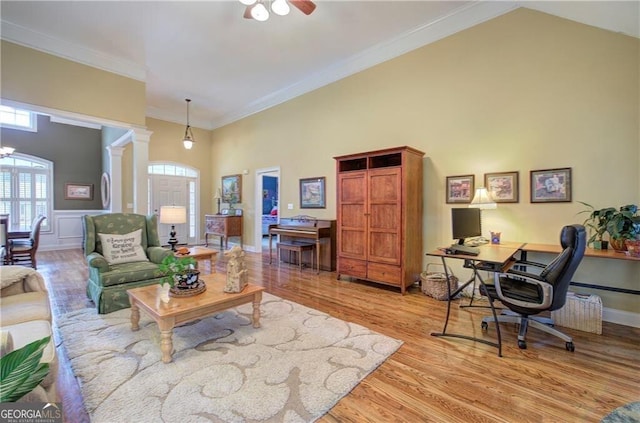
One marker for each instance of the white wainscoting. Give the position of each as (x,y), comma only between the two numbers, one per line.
(66,230)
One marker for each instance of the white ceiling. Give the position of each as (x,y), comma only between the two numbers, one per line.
(232,67)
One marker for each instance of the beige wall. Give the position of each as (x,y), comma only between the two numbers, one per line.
(523,91)
(33,77)
(166,145)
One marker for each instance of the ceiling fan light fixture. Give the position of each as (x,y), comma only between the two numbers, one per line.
(188,140)
(280,7)
(247,2)
(259,12)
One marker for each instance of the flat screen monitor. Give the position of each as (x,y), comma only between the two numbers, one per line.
(465,223)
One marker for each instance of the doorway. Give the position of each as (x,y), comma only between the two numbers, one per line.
(267,201)
(171,187)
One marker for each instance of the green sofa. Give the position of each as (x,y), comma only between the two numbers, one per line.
(108,283)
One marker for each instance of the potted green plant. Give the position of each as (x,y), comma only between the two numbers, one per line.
(179,272)
(621,224)
(597,222)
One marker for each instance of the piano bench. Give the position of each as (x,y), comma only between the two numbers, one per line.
(297,247)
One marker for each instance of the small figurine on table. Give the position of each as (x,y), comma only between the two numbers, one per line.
(237,273)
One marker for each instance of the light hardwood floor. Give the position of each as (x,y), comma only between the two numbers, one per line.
(428,378)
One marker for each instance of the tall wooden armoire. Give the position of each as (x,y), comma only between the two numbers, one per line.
(379,222)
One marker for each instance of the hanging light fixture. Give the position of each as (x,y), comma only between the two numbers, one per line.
(188,135)
(6,152)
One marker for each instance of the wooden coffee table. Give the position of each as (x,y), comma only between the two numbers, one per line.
(180,310)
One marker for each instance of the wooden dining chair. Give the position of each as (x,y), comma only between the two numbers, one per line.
(22,246)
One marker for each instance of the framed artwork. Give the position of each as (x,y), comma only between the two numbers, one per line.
(502,186)
(312,193)
(74,191)
(224,212)
(238,212)
(551,185)
(460,189)
(232,189)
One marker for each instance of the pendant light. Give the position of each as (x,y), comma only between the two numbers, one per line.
(188,135)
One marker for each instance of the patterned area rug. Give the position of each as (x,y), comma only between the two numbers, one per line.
(294,368)
(629,413)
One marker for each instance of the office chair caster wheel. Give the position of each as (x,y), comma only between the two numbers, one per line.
(570,347)
(484,325)
(522,345)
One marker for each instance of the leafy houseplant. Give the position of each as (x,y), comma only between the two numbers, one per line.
(178,270)
(621,224)
(21,370)
(597,223)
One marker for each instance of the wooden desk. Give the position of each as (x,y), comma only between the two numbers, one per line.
(496,256)
(222,226)
(589,252)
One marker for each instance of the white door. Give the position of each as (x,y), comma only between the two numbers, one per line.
(168,190)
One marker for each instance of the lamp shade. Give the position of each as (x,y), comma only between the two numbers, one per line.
(482,200)
(173,215)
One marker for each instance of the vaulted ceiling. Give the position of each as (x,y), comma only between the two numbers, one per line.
(232,67)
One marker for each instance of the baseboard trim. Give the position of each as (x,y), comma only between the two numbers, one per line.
(621,317)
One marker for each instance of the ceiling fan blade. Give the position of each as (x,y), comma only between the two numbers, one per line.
(247,12)
(305,6)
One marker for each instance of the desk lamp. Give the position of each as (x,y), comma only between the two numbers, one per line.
(173,215)
(482,200)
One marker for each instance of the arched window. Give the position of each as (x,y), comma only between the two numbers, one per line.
(26,190)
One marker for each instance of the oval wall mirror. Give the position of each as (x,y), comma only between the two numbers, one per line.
(105,188)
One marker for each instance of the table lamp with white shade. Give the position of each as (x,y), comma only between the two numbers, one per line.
(173,215)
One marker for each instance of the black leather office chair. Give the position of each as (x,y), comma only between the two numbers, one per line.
(527,293)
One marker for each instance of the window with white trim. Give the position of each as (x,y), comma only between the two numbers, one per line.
(13,118)
(26,190)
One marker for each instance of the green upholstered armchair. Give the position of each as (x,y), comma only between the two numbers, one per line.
(108,283)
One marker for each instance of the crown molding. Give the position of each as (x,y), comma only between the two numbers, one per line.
(35,40)
(466,16)
(460,19)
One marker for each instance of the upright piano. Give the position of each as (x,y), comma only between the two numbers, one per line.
(298,228)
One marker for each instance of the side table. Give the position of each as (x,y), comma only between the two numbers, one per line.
(202,253)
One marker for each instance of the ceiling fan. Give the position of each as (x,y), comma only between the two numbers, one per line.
(257,9)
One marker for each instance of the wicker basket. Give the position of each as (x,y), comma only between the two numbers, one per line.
(434,284)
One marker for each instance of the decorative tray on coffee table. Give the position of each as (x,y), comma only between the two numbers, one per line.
(195,289)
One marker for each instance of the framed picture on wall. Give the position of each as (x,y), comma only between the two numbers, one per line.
(73,191)
(502,186)
(232,189)
(551,185)
(312,193)
(460,189)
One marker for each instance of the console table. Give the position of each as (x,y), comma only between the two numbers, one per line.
(222,226)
